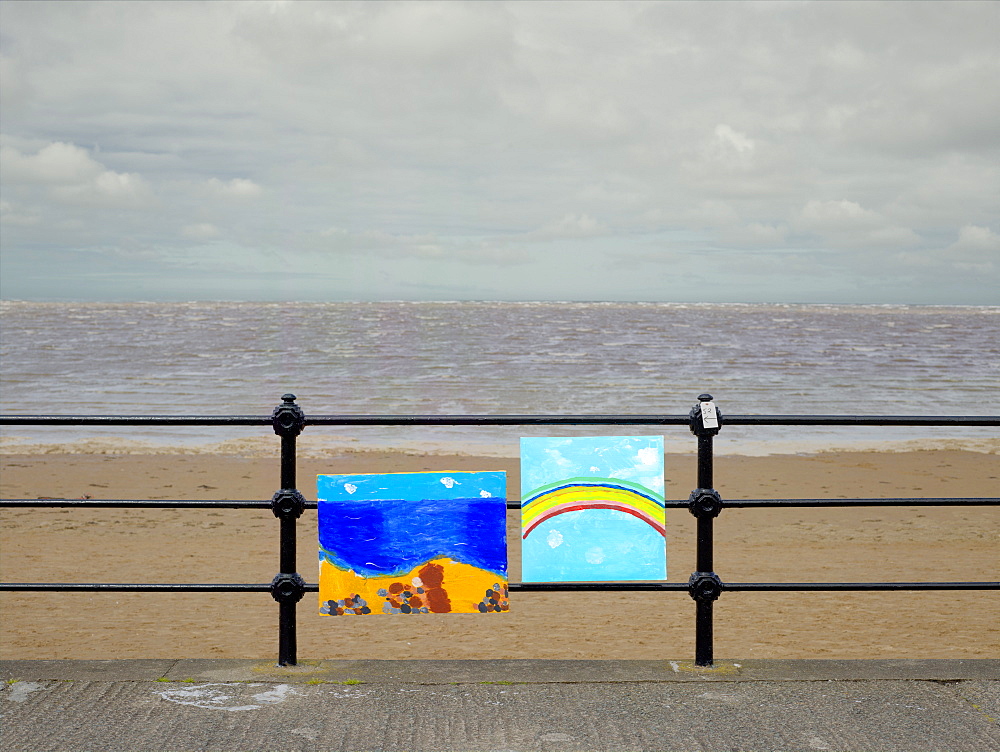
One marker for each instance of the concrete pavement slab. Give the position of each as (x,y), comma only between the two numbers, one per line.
(111,670)
(465,711)
(526,670)
(441,671)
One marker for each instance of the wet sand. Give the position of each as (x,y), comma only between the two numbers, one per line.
(766,545)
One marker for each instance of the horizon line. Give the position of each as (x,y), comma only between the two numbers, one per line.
(454,301)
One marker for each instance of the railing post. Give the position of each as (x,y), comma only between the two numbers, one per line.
(287,587)
(705,504)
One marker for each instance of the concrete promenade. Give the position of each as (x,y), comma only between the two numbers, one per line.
(230,705)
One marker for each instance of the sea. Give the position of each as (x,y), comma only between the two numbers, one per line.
(446,358)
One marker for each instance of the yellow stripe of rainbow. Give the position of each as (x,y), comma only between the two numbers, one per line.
(577,494)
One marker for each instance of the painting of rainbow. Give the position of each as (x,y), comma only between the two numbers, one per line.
(413,543)
(592,509)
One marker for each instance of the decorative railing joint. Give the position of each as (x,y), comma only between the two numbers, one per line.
(288,587)
(705,503)
(705,586)
(287,419)
(288,503)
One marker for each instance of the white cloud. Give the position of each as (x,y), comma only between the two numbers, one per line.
(17,216)
(108,189)
(729,140)
(433,31)
(200,231)
(847,224)
(712,213)
(73,176)
(56,164)
(570,226)
(836,216)
(336,241)
(757,234)
(892,236)
(16,91)
(977,250)
(973,239)
(235,188)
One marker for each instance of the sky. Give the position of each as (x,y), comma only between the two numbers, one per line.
(832,152)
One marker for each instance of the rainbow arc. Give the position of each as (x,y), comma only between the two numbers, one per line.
(576,494)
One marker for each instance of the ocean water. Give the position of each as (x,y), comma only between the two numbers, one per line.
(213,358)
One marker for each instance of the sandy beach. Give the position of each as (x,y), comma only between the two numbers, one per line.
(840,544)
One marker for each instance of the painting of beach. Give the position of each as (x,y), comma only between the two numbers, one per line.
(412,543)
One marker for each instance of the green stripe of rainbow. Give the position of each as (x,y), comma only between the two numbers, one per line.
(575,494)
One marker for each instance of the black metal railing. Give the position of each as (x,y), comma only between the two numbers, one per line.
(704,502)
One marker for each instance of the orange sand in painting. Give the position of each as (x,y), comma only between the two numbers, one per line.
(439,586)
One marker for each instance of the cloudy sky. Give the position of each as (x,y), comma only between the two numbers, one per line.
(828,152)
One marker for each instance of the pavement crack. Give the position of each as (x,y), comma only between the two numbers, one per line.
(170,668)
(975,706)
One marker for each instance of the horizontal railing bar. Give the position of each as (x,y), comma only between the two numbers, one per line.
(503,420)
(121,587)
(134,420)
(526,587)
(681,420)
(860,586)
(529,587)
(511,504)
(861,420)
(514,504)
(144,503)
(494,420)
(522,586)
(902,502)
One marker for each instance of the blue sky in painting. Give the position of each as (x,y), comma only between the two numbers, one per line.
(638,459)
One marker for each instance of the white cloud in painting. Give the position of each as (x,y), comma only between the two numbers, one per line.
(648,456)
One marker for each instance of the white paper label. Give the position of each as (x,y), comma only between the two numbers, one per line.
(709,418)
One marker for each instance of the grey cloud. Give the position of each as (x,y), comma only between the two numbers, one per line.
(449,138)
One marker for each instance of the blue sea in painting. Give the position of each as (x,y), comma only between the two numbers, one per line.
(386,524)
